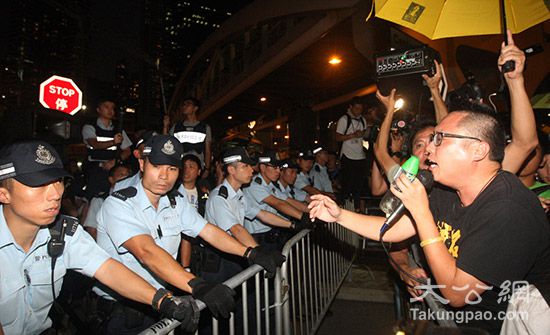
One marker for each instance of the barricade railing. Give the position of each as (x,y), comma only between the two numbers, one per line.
(316,266)
(304,287)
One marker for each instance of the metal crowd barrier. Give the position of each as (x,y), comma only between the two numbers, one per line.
(303,289)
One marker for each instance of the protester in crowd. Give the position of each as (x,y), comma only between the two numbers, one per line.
(456,225)
(118,172)
(34,258)
(141,226)
(195,135)
(350,130)
(527,175)
(106,143)
(265,192)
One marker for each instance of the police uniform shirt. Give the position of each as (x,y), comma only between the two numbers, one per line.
(258,190)
(25,277)
(121,218)
(88,132)
(302,180)
(91,217)
(229,207)
(319,177)
(295,193)
(127,182)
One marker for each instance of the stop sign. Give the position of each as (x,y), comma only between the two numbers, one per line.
(61,94)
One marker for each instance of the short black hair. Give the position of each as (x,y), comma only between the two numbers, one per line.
(6,183)
(191,157)
(356,101)
(194,100)
(118,166)
(488,128)
(417,126)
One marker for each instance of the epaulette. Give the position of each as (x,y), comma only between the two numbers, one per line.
(70,229)
(125,193)
(258,180)
(317,168)
(222,192)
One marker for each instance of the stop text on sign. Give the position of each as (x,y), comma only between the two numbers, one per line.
(61,94)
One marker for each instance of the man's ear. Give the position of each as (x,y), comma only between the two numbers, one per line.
(5,197)
(141,164)
(481,150)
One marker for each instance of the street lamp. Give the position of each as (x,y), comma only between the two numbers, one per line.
(335,60)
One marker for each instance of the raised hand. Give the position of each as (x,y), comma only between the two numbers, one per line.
(324,208)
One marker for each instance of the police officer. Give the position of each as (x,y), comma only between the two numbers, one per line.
(123,183)
(103,141)
(262,192)
(227,208)
(304,180)
(118,172)
(195,135)
(289,173)
(35,259)
(141,225)
(318,174)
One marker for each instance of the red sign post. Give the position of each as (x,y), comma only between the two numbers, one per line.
(61,94)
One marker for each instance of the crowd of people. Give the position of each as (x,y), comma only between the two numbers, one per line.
(170,224)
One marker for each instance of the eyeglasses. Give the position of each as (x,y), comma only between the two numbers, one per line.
(276,167)
(437,137)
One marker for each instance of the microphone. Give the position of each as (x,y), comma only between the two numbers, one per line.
(427,179)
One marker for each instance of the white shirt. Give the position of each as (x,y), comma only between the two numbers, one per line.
(352,148)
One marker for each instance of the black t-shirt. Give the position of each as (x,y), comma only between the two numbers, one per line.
(502,236)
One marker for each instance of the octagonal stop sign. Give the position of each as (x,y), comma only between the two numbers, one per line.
(61,94)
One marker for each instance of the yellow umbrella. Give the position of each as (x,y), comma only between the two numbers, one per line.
(450,18)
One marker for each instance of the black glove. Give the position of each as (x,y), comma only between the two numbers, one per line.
(304,223)
(183,309)
(218,297)
(268,259)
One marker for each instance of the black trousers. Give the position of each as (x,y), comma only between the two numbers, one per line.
(125,317)
(354,178)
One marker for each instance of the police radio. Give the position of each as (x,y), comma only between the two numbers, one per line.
(56,245)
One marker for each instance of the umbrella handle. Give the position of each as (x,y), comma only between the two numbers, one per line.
(510,65)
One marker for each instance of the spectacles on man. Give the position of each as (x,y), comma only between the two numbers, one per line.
(437,137)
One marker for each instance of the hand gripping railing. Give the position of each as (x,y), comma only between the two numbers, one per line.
(304,287)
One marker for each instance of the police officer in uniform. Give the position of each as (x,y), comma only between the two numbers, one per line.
(263,193)
(141,226)
(227,208)
(304,180)
(103,141)
(35,259)
(318,174)
(136,153)
(289,173)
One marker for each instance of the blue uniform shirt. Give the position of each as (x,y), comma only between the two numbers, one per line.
(255,194)
(120,220)
(302,180)
(320,179)
(127,182)
(25,277)
(294,193)
(227,211)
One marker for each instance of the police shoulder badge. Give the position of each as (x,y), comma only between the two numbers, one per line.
(44,156)
(168,148)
